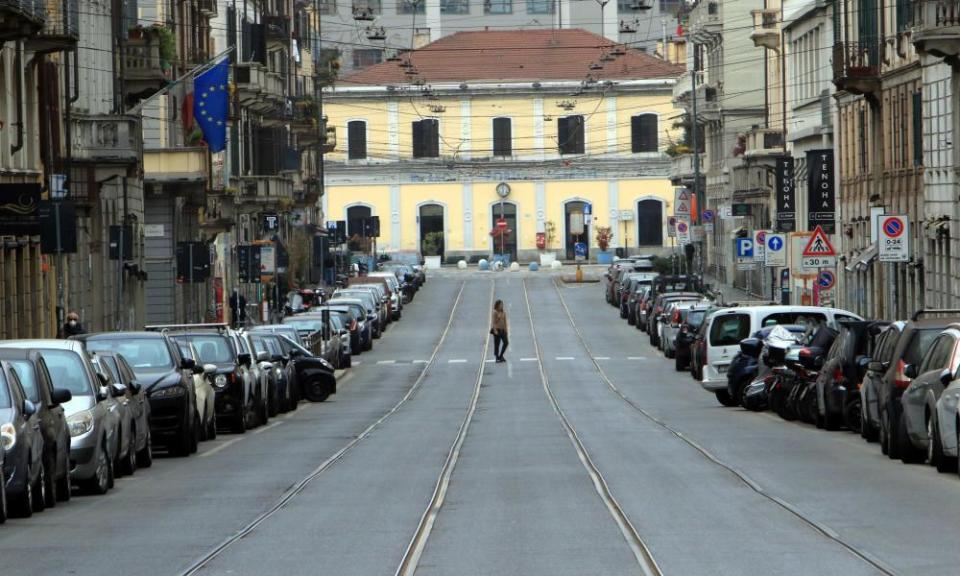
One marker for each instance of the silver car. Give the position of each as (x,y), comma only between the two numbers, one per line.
(92,414)
(674,315)
(128,434)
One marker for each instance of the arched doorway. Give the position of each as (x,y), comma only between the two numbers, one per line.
(431,230)
(505,244)
(570,209)
(357,217)
(650,223)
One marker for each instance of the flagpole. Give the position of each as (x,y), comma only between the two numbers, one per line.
(196,70)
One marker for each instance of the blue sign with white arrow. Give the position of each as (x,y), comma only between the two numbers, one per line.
(776,254)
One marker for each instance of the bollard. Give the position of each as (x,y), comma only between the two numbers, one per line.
(579,274)
(534,266)
(462,265)
(483,264)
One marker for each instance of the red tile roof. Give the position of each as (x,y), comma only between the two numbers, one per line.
(515,55)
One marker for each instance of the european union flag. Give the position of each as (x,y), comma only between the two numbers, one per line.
(211,103)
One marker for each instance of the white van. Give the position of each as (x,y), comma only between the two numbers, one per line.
(728,326)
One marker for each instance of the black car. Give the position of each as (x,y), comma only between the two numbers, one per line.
(838,392)
(691,319)
(167,379)
(38,386)
(311,376)
(22,444)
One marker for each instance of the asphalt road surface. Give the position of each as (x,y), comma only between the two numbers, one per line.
(584,454)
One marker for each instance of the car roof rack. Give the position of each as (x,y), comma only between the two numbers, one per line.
(219,327)
(926,311)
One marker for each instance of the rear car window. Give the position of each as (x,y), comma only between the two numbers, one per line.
(791,318)
(67,371)
(920,341)
(211,349)
(28,378)
(695,317)
(729,329)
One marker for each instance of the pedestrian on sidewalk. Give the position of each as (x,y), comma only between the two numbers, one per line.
(498,328)
(72,326)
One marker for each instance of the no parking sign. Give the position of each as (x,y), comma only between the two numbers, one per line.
(894,238)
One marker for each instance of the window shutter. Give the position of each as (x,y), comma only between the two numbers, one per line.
(918,129)
(576,132)
(643,133)
(563,135)
(432,133)
(357,140)
(502,137)
(418,142)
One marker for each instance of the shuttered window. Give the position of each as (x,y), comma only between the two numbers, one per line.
(426,138)
(918,129)
(643,133)
(502,137)
(356,140)
(570,135)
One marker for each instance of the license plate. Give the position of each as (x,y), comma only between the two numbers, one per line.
(722,369)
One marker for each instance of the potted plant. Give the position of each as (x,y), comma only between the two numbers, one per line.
(432,247)
(604,236)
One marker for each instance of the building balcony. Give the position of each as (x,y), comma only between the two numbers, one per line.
(766,28)
(856,67)
(20,18)
(276,28)
(207,7)
(706,24)
(61,27)
(329,143)
(258,89)
(176,165)
(681,168)
(106,139)
(764,143)
(936,27)
(145,71)
(304,117)
(271,190)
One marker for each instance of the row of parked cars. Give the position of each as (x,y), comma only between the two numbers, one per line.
(78,413)
(896,383)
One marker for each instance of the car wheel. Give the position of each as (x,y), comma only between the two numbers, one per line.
(195,436)
(50,486)
(726,399)
(22,506)
(212,428)
(668,352)
(181,446)
(63,485)
(275,401)
(631,320)
(103,475)
(908,452)
(890,432)
(145,455)
(943,462)
(348,361)
(40,490)
(240,422)
(853,415)
(678,364)
(117,463)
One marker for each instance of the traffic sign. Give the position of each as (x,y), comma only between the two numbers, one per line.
(775,255)
(501,223)
(743,249)
(580,250)
(681,204)
(819,252)
(683,232)
(894,240)
(708,215)
(759,245)
(827,279)
(672,227)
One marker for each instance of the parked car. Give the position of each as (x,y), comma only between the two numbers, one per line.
(943,427)
(338,323)
(838,397)
(90,421)
(915,337)
(125,458)
(237,393)
(635,281)
(690,321)
(674,316)
(258,373)
(131,394)
(919,439)
(610,277)
(24,468)
(884,346)
(38,386)
(728,326)
(324,343)
(271,368)
(376,316)
(395,292)
(655,315)
(314,377)
(360,313)
(167,379)
(203,375)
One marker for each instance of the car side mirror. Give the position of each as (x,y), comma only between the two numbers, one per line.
(118,390)
(188,363)
(295,353)
(263,357)
(244,358)
(875,366)
(946,377)
(277,358)
(29,408)
(135,387)
(910,371)
(209,368)
(197,369)
(102,393)
(103,378)
(61,395)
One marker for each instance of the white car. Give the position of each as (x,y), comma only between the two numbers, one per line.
(206,396)
(728,326)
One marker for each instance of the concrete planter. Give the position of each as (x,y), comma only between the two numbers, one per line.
(605,257)
(432,262)
(547,258)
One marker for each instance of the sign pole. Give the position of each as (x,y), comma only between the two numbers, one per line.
(61,305)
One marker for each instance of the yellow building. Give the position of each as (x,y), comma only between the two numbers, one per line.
(527,125)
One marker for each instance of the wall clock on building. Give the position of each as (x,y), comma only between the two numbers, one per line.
(503,189)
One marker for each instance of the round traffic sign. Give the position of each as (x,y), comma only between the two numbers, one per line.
(761,237)
(775,243)
(827,279)
(672,221)
(682,227)
(501,223)
(707,215)
(893,226)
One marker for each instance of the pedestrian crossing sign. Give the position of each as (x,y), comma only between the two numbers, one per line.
(819,244)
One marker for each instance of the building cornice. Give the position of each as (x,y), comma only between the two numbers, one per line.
(469,88)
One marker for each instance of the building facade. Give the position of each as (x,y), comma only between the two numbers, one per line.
(441,155)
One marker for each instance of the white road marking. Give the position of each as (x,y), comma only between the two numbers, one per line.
(386,361)
(636,357)
(357,362)
(564,357)
(490,360)
(267,427)
(601,357)
(528,359)
(457,361)
(216,449)
(421,361)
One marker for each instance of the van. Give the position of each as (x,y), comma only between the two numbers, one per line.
(726,327)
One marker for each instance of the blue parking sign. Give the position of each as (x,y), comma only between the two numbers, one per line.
(744,248)
(580,250)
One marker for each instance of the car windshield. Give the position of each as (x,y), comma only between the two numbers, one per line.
(212,348)
(28,378)
(695,317)
(920,342)
(729,329)
(67,371)
(145,355)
